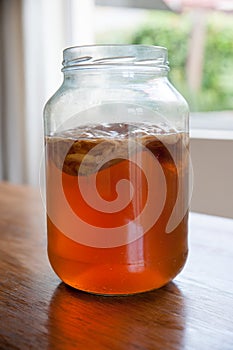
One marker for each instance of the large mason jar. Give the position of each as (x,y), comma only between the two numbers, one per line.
(116,139)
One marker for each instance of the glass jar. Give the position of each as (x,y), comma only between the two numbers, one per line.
(117,164)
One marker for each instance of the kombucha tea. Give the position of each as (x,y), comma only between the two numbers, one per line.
(102,153)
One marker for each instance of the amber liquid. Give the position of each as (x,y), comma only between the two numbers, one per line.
(144,264)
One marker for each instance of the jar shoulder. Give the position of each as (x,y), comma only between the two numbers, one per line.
(158,96)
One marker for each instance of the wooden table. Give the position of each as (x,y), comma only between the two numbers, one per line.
(39,312)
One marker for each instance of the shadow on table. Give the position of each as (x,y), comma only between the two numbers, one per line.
(145,321)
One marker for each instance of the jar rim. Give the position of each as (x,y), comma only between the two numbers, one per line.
(97,56)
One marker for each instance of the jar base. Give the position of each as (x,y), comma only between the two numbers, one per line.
(110,280)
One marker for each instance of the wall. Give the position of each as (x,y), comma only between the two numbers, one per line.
(213,176)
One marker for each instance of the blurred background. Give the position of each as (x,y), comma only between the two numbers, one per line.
(199,38)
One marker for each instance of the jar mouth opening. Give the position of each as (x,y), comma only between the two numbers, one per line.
(97,56)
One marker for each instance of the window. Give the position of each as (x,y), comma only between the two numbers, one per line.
(34,33)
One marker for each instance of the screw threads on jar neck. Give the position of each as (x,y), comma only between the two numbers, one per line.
(102,56)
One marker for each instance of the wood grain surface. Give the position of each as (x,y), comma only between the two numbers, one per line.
(37,311)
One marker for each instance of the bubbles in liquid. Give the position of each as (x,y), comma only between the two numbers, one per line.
(69,148)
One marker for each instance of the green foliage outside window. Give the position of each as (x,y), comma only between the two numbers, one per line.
(173,31)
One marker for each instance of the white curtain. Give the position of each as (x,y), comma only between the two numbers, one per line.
(32,36)
(13,162)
